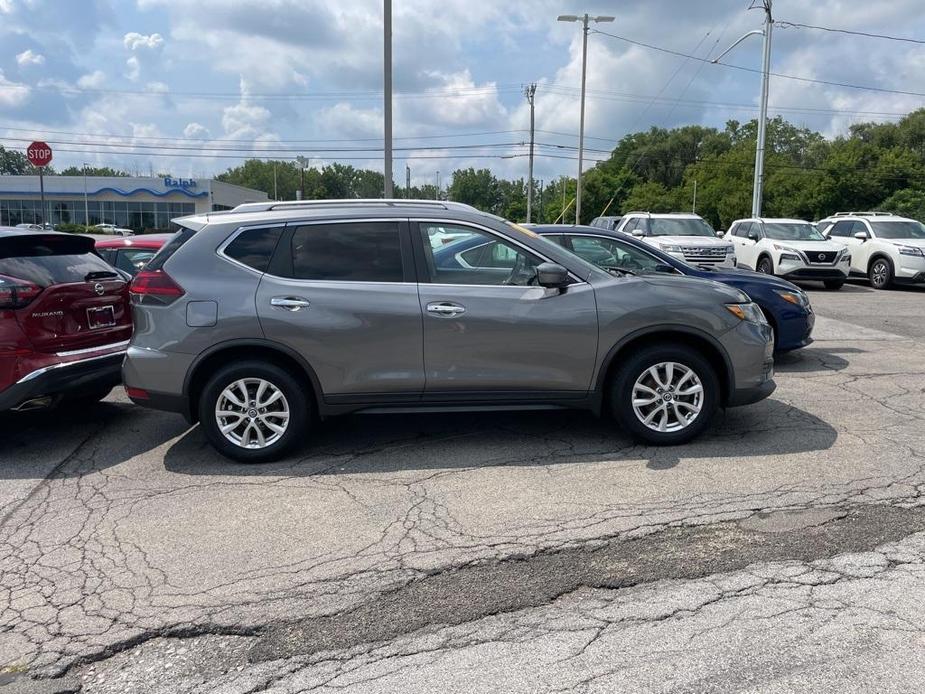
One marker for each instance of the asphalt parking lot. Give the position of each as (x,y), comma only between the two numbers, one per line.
(783,551)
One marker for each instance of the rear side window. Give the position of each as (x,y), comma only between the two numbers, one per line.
(255,247)
(354,252)
(169,248)
(49,260)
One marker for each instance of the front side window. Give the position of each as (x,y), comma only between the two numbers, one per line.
(609,253)
(792,231)
(477,258)
(742,229)
(842,229)
(254,247)
(680,227)
(352,252)
(899,230)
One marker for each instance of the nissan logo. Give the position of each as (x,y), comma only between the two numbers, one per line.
(99,289)
(822,256)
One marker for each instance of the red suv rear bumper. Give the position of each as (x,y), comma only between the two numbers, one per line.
(71,374)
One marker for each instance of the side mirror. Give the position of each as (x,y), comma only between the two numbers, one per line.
(753,236)
(861,235)
(720,233)
(664,267)
(639,233)
(551,276)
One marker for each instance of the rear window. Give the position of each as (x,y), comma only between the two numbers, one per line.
(254,247)
(169,248)
(355,252)
(49,260)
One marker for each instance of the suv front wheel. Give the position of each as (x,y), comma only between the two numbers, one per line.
(665,395)
(880,273)
(253,412)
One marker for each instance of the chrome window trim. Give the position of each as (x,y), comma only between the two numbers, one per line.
(87,350)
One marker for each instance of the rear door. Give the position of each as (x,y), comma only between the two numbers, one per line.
(80,301)
(343,295)
(490,331)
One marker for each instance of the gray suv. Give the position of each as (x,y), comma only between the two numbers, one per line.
(257,321)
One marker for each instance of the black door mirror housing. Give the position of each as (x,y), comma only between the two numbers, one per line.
(551,276)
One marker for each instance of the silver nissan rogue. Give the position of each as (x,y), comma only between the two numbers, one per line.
(257,321)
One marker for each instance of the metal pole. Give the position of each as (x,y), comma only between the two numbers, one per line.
(275,194)
(387,106)
(301,191)
(581,121)
(530,92)
(42,191)
(694,205)
(763,113)
(86,204)
(407,182)
(437,193)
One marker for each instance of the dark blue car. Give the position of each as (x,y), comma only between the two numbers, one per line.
(786,306)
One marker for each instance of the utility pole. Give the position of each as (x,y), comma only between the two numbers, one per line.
(694,204)
(758,186)
(584,19)
(407,182)
(437,193)
(275,194)
(387,106)
(530,93)
(86,204)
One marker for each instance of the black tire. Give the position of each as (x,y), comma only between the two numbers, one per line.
(834,284)
(880,273)
(765,265)
(621,393)
(290,386)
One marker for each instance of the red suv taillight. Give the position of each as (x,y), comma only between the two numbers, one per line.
(16,293)
(156,285)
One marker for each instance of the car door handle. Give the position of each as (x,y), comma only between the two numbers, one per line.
(445,308)
(289,303)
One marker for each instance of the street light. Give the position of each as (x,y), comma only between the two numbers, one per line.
(86,205)
(584,19)
(758,186)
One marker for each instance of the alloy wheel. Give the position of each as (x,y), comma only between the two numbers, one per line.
(667,397)
(252,413)
(879,273)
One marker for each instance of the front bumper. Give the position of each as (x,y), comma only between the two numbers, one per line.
(750,347)
(910,268)
(71,378)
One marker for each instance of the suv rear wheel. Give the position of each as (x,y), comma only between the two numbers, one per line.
(665,395)
(253,412)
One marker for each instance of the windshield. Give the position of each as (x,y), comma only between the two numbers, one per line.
(899,230)
(680,227)
(792,231)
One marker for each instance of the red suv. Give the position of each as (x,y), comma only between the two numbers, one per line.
(64,320)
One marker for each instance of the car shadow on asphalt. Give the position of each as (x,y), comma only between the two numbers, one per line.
(814,359)
(379,444)
(72,441)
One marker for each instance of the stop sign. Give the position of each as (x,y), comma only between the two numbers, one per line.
(39,154)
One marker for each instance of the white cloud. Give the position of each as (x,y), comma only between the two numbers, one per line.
(133,66)
(196,131)
(92,80)
(134,41)
(29,57)
(12,94)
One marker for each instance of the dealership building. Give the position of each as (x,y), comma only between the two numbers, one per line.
(141,204)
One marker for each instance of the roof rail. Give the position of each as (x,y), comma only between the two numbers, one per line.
(371,202)
(869,213)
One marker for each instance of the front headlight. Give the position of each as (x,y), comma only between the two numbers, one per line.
(730,250)
(747,312)
(909,250)
(795,298)
(669,248)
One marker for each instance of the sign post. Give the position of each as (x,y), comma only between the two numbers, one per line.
(39,155)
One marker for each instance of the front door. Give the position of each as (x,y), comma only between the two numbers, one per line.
(488,329)
(343,296)
(843,232)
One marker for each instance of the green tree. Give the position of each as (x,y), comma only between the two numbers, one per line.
(92,171)
(13,163)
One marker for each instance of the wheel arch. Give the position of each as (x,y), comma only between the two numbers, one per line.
(702,342)
(226,352)
(765,254)
(877,255)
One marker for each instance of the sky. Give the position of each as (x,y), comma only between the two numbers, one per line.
(193,87)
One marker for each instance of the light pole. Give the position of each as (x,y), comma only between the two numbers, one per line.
(584,19)
(530,93)
(303,164)
(86,204)
(387,105)
(758,186)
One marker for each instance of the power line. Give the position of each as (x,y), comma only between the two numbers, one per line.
(796,78)
(788,25)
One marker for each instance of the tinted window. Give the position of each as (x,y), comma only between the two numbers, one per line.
(355,252)
(254,247)
(842,228)
(49,260)
(742,229)
(478,258)
(631,224)
(609,253)
(132,260)
(792,231)
(169,248)
(680,227)
(899,230)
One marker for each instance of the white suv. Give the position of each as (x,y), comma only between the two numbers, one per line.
(885,248)
(113,229)
(790,248)
(685,236)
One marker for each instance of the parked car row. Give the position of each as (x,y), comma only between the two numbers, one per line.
(883,247)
